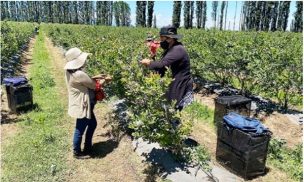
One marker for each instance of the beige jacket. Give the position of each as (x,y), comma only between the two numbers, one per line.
(79,101)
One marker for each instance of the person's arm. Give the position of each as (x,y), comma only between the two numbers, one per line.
(85,80)
(176,54)
(172,56)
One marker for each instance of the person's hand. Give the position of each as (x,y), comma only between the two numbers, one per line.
(101,81)
(145,62)
(108,78)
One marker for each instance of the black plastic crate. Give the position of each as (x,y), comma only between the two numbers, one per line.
(240,140)
(234,103)
(20,98)
(243,153)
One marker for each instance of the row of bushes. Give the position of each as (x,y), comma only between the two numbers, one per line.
(15,37)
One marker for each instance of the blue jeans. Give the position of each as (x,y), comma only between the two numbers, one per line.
(81,125)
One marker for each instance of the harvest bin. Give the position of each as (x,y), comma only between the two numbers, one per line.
(19,94)
(241,152)
(226,104)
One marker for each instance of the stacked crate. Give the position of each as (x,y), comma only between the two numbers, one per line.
(19,94)
(241,152)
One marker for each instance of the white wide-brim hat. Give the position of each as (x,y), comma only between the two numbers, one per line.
(76,58)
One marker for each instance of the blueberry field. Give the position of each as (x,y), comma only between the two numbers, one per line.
(263,66)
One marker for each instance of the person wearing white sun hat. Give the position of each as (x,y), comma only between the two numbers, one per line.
(80,105)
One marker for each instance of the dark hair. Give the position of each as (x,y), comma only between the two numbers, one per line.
(74,70)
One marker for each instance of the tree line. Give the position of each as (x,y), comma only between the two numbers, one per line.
(143,8)
(254,15)
(75,12)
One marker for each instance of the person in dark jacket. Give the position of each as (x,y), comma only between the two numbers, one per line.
(176,57)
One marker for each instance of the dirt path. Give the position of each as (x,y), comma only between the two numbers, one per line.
(283,128)
(9,120)
(112,161)
(26,59)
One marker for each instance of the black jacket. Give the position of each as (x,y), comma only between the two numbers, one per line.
(178,60)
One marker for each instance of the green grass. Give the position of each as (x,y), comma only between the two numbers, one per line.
(38,152)
(200,112)
(287,160)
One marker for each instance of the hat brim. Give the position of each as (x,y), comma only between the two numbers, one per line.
(77,63)
(174,36)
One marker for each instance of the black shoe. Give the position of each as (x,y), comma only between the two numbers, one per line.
(87,151)
(80,155)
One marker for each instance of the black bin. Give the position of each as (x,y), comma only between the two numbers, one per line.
(19,94)
(233,103)
(241,152)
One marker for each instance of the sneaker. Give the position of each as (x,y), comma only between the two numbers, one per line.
(80,155)
(87,151)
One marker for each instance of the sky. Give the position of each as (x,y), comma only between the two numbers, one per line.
(164,9)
